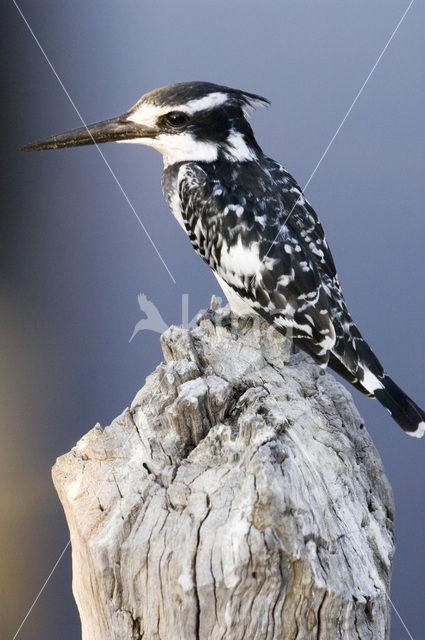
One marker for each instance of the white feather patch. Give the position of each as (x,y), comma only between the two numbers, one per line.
(370,381)
(241,259)
(237,304)
(238,149)
(419,431)
(207,102)
(181,147)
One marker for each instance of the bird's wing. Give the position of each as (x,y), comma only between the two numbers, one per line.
(302,218)
(237,224)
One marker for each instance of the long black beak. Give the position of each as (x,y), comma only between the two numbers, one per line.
(111,130)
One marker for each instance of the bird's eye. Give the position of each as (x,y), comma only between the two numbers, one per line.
(176,118)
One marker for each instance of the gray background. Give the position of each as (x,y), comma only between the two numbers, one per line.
(74,257)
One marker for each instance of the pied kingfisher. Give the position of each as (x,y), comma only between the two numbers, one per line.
(248,219)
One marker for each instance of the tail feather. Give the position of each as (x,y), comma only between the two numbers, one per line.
(405,412)
(374,382)
(342,370)
(361,368)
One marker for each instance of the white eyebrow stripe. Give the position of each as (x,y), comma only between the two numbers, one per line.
(148,114)
(207,102)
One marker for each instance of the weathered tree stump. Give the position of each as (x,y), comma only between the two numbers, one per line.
(239,497)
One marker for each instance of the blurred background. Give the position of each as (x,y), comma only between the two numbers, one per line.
(74,258)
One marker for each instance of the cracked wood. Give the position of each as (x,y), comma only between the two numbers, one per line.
(239,497)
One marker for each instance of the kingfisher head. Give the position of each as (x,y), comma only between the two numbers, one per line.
(197,121)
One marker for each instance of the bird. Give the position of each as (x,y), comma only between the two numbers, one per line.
(249,220)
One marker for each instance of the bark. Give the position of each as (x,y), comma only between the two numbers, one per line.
(239,497)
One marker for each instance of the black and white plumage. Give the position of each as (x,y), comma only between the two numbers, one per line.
(248,219)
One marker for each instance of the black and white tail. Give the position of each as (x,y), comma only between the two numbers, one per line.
(405,412)
(372,380)
(361,368)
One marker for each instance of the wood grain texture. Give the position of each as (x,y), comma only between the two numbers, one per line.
(239,497)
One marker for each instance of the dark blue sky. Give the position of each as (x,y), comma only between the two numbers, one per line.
(74,256)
